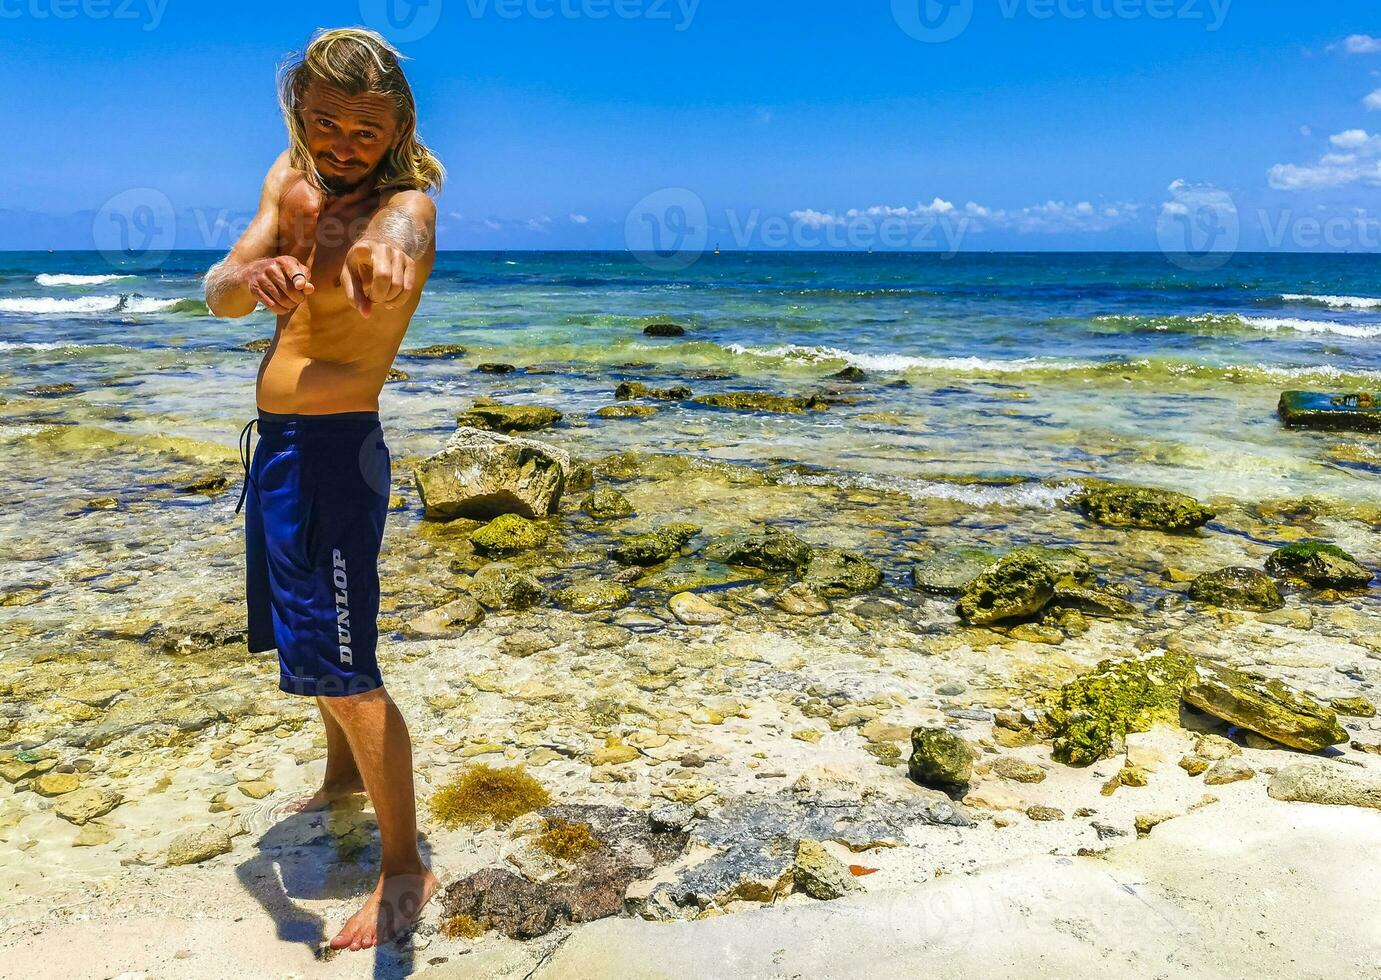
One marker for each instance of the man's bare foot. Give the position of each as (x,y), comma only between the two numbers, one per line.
(325,798)
(389,912)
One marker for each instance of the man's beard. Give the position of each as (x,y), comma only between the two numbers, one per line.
(337,186)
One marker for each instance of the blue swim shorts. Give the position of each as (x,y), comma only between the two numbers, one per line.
(316,497)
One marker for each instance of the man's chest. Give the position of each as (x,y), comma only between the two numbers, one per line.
(319,234)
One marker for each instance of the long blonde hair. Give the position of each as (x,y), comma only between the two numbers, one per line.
(358,61)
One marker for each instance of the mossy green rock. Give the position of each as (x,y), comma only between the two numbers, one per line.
(835,573)
(606,505)
(1320,564)
(627,411)
(769,549)
(630,390)
(1264,706)
(437,352)
(950,571)
(1091,716)
(1143,507)
(756,401)
(1019,585)
(593,595)
(509,418)
(500,585)
(1092,601)
(940,759)
(653,548)
(508,534)
(1237,588)
(693,575)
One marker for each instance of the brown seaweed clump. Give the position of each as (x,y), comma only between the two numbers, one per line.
(485,795)
(567,841)
(462,927)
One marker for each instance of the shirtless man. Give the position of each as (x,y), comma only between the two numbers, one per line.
(340,249)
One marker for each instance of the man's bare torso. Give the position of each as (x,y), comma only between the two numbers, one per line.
(325,357)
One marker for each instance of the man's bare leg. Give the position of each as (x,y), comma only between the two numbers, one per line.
(378,739)
(342,777)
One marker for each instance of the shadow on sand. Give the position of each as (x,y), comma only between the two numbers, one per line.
(327,856)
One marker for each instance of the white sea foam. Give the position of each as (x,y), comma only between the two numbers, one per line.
(907,362)
(1025,496)
(1275,324)
(65,279)
(1336,302)
(54,306)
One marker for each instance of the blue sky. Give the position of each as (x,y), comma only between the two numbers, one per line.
(1043,124)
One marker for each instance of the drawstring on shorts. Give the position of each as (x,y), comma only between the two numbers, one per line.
(246,443)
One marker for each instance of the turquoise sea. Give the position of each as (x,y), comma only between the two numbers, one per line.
(1040,366)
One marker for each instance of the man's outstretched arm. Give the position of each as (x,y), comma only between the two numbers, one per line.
(382,266)
(254,272)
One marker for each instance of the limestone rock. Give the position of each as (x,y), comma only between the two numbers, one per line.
(634,389)
(693,610)
(950,571)
(452,619)
(820,874)
(436,352)
(606,505)
(1327,783)
(1044,814)
(627,411)
(592,595)
(500,585)
(85,804)
(664,330)
(508,534)
(1018,770)
(57,783)
(835,573)
(195,846)
(801,600)
(1226,771)
(481,475)
(756,401)
(1016,587)
(1142,507)
(509,418)
(1237,588)
(1266,707)
(1322,565)
(653,548)
(940,759)
(768,549)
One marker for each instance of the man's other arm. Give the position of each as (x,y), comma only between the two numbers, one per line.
(254,272)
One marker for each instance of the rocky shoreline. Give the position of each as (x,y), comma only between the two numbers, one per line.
(735,685)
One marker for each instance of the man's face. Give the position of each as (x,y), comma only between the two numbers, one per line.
(347,135)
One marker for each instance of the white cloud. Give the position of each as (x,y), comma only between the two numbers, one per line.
(1050,217)
(492,225)
(1373,101)
(579,219)
(1362,44)
(1359,163)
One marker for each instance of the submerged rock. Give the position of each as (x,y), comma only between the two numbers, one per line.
(1354,412)
(659,545)
(1237,588)
(1142,507)
(1092,601)
(509,418)
(1317,563)
(1091,717)
(86,804)
(801,600)
(756,401)
(492,368)
(850,373)
(627,411)
(508,534)
(950,571)
(940,759)
(500,585)
(835,573)
(1264,706)
(442,352)
(606,505)
(636,389)
(768,549)
(196,846)
(484,474)
(593,595)
(692,575)
(664,330)
(694,610)
(452,619)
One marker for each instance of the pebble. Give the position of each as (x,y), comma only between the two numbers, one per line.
(1044,814)
(195,846)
